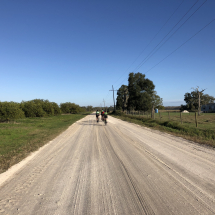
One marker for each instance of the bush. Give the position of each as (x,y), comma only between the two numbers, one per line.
(69,107)
(40,108)
(10,111)
(47,107)
(160,107)
(32,109)
(56,108)
(89,108)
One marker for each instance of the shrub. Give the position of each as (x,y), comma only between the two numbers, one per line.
(10,111)
(47,107)
(32,109)
(69,107)
(40,108)
(56,108)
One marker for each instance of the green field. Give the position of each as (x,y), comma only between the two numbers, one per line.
(18,139)
(205,120)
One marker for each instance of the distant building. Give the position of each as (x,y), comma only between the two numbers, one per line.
(185,111)
(208,108)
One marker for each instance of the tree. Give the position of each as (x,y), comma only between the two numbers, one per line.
(192,100)
(32,108)
(157,101)
(40,108)
(56,108)
(206,99)
(89,108)
(138,95)
(122,97)
(140,91)
(10,111)
(69,107)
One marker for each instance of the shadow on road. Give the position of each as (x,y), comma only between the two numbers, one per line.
(94,124)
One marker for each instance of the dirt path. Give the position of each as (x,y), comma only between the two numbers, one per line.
(120,168)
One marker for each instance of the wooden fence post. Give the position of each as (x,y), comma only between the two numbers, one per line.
(160,115)
(181,117)
(196,119)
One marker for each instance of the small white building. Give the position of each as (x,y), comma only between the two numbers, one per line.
(208,108)
(185,111)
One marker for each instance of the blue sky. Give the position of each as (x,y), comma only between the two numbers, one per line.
(75,50)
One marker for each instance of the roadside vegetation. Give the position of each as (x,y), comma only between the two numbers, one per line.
(203,135)
(26,135)
(26,126)
(139,95)
(139,103)
(10,111)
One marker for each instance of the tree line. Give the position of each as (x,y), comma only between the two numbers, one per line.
(195,99)
(139,95)
(38,108)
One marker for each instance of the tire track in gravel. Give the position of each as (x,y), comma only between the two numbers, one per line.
(144,206)
(120,168)
(204,198)
(24,184)
(203,160)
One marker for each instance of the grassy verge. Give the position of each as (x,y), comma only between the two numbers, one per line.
(203,136)
(18,139)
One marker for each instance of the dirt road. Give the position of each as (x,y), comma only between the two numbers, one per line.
(120,168)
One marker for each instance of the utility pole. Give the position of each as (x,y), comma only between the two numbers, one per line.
(199,99)
(113,98)
(104,103)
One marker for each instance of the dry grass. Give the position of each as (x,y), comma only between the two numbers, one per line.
(187,130)
(205,120)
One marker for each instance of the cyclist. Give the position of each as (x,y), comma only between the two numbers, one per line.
(102,115)
(105,117)
(97,115)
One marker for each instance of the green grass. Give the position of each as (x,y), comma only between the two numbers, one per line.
(204,134)
(18,139)
(205,120)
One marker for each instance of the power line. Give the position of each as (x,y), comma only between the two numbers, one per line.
(172,34)
(104,103)
(143,61)
(150,41)
(151,53)
(178,47)
(181,45)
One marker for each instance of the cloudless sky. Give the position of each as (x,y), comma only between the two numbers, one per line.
(75,50)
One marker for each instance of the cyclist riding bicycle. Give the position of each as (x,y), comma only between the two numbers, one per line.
(105,117)
(97,115)
(102,115)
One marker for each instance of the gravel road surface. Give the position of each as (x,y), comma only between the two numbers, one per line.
(120,168)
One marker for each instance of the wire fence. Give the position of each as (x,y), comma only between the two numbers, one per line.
(205,120)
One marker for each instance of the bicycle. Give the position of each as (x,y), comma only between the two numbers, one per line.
(97,119)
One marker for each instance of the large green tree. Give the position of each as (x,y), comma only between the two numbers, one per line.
(141,92)
(138,95)
(192,99)
(122,97)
